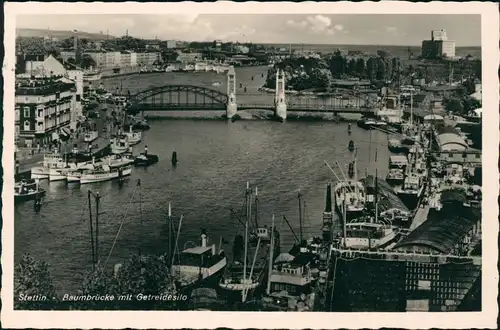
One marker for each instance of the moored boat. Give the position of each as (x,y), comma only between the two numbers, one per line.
(120,144)
(198,266)
(133,137)
(27,190)
(90,136)
(365,233)
(395,177)
(105,173)
(411,191)
(54,160)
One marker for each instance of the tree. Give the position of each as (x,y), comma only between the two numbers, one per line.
(32,278)
(145,275)
(453,104)
(87,62)
(360,67)
(372,68)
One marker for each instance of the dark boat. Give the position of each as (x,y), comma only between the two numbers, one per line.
(350,170)
(174,158)
(366,123)
(351,146)
(27,190)
(245,276)
(145,160)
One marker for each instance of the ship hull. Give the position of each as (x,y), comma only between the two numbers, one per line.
(235,295)
(410,199)
(29,196)
(395,181)
(93,178)
(40,174)
(209,282)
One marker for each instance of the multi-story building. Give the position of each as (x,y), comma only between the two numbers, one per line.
(171,44)
(125,59)
(43,107)
(147,58)
(77,77)
(439,46)
(113,59)
(189,57)
(99,58)
(67,54)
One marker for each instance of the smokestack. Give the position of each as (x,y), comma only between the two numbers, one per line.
(328,204)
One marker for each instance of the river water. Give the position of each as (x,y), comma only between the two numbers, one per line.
(216,159)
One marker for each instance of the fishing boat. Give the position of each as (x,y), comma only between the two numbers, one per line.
(396,146)
(105,173)
(364,233)
(198,266)
(244,278)
(395,177)
(133,137)
(367,123)
(90,136)
(350,191)
(52,160)
(411,191)
(120,144)
(27,190)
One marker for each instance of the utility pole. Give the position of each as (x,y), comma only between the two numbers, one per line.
(91,232)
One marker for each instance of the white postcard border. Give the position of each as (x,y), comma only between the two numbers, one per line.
(87,319)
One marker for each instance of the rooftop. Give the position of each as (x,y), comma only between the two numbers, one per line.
(41,86)
(443,229)
(197,249)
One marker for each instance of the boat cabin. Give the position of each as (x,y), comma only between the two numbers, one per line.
(292,274)
(398,161)
(263,233)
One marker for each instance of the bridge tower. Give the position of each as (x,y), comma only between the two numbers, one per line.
(280,95)
(232,107)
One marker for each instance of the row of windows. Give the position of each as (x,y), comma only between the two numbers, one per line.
(464,155)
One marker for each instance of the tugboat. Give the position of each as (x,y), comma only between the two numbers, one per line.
(27,190)
(351,146)
(395,177)
(120,144)
(145,159)
(198,266)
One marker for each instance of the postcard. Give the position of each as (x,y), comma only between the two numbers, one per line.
(250,165)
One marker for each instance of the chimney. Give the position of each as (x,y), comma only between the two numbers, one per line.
(204,239)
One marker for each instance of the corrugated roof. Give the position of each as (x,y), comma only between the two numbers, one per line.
(451,138)
(443,229)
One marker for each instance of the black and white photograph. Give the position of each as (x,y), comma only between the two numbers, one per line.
(215,161)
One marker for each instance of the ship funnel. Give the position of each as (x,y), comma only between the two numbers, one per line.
(328,204)
(204,239)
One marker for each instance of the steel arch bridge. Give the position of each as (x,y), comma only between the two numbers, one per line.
(179,97)
(197,98)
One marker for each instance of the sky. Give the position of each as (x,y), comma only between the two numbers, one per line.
(355,29)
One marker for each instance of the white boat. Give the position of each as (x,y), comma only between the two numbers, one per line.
(133,137)
(90,136)
(189,67)
(199,265)
(353,193)
(54,160)
(60,174)
(91,75)
(105,173)
(120,144)
(119,160)
(216,84)
(369,235)
(209,67)
(412,189)
(169,68)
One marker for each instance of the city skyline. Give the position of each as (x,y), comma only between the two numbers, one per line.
(348,29)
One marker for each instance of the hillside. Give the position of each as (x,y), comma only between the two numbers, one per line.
(30,33)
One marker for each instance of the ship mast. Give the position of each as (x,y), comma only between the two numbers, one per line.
(256,207)
(300,215)
(247,194)
(270,270)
